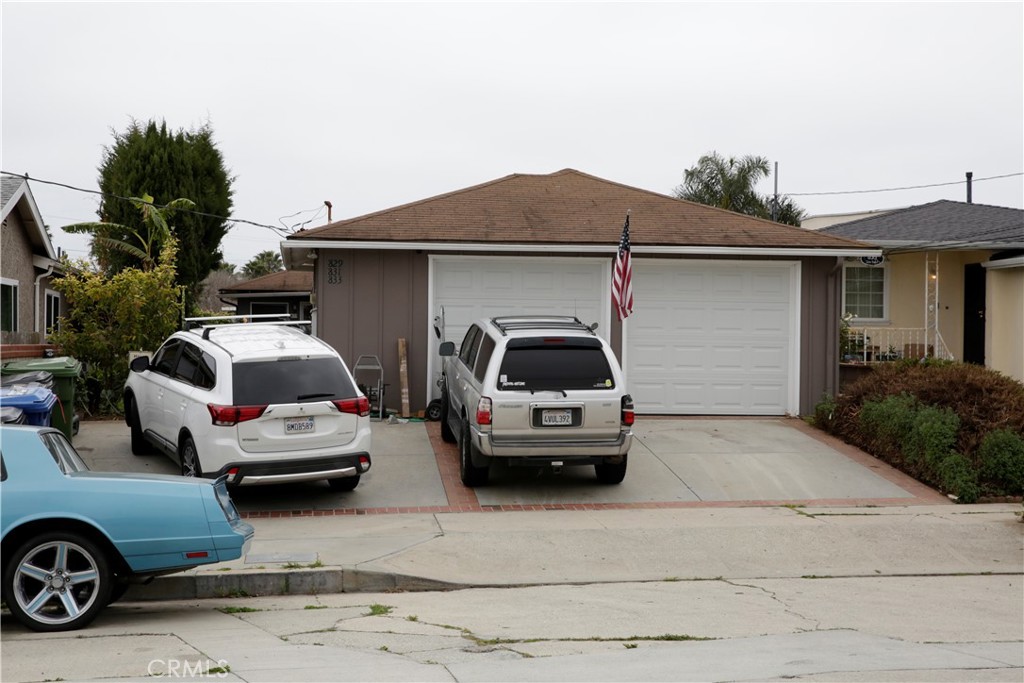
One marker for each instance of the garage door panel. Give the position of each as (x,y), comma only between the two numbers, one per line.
(469,288)
(711,337)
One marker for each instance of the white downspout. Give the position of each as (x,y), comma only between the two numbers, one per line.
(39,278)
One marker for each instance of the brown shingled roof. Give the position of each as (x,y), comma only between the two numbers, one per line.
(567,207)
(281,281)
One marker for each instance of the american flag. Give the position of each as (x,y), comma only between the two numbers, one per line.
(622,276)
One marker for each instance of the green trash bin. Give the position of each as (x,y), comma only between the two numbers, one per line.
(65,371)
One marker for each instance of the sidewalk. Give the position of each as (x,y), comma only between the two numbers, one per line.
(326,547)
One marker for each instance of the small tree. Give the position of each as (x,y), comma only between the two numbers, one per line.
(124,239)
(149,157)
(108,316)
(264,263)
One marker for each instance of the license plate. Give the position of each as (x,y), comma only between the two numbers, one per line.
(299,425)
(556,418)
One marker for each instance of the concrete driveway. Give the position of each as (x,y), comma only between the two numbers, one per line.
(673,463)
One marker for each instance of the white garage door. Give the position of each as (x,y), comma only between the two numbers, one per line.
(714,337)
(472,287)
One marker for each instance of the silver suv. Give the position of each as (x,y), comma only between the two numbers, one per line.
(263,403)
(535,391)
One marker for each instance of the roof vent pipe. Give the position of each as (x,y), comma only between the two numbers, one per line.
(969,176)
(331,206)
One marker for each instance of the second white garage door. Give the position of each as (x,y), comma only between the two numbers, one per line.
(714,337)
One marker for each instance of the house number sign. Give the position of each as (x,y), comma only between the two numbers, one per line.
(872,260)
(334,271)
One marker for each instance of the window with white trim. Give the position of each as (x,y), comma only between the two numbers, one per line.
(8,305)
(52,311)
(864,291)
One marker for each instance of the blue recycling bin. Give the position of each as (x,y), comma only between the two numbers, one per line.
(35,401)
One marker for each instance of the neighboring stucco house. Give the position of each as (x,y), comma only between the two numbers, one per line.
(951,284)
(287,291)
(29,306)
(733,315)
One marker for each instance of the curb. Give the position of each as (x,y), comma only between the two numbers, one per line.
(292,582)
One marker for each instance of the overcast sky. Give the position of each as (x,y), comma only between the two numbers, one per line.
(375,105)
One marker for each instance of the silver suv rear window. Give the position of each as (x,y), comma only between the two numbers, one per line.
(553,364)
(290,380)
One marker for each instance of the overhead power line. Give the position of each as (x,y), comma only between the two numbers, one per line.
(107,195)
(897,189)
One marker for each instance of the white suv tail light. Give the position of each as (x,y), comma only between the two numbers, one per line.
(229,416)
(354,406)
(483,411)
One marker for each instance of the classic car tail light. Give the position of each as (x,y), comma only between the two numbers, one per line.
(483,411)
(229,416)
(354,406)
(628,416)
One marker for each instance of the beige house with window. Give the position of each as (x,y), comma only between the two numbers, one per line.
(29,306)
(950,284)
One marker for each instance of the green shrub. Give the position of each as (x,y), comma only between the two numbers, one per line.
(1001,461)
(886,423)
(109,316)
(915,414)
(933,436)
(958,477)
(824,412)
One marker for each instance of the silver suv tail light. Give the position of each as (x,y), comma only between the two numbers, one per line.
(483,411)
(628,416)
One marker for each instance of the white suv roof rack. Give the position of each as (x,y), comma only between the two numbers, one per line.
(533,322)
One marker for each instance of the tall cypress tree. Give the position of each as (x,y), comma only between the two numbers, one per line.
(149,159)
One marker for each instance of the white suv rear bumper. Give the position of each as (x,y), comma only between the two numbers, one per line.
(560,449)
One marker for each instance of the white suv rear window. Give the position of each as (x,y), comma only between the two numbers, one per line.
(554,363)
(291,380)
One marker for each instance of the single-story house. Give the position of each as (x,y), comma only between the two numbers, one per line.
(286,291)
(733,315)
(950,284)
(29,306)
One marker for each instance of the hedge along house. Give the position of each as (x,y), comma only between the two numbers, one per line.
(733,315)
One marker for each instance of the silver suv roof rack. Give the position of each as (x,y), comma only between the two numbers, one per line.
(533,322)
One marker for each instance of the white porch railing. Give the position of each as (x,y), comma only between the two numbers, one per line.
(873,344)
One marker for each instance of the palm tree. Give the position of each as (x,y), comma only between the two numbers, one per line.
(157,232)
(730,184)
(264,263)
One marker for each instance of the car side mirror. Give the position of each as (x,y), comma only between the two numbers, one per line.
(447,349)
(140,364)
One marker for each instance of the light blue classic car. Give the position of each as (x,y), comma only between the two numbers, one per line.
(73,540)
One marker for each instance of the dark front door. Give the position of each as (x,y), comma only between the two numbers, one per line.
(974,314)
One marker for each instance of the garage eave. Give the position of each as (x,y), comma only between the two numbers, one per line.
(289,247)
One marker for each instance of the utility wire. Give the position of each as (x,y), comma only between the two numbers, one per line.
(25,176)
(897,189)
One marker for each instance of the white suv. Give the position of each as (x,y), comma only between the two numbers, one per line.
(535,391)
(262,403)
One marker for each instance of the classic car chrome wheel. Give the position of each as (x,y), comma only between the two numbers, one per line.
(57,582)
